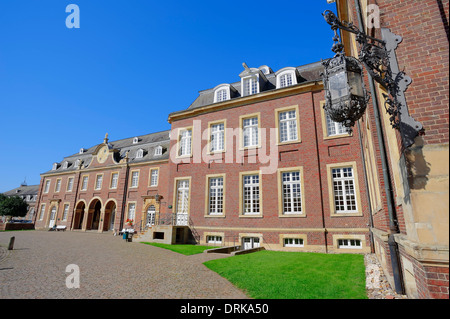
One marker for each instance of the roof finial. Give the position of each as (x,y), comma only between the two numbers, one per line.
(105,140)
(245,65)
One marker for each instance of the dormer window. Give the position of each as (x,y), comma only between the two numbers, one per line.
(82,150)
(158,151)
(252,80)
(265,69)
(135,140)
(250,85)
(221,95)
(140,153)
(286,77)
(222,92)
(55,166)
(77,163)
(285,80)
(66,164)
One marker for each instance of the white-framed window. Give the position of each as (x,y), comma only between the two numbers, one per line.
(286,80)
(41,212)
(114,180)
(154,177)
(350,243)
(65,212)
(47,186)
(185,142)
(293,242)
(217,137)
(134,179)
(222,92)
(344,189)
(140,153)
(70,184)
(84,183)
(98,181)
(58,185)
(221,95)
(135,140)
(82,150)
(215,196)
(250,130)
(66,164)
(288,126)
(182,201)
(292,198)
(251,85)
(251,195)
(334,128)
(131,210)
(158,151)
(211,239)
(55,166)
(286,77)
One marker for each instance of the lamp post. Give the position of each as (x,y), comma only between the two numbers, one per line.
(346,97)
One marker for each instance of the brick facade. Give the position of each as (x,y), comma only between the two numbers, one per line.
(319,226)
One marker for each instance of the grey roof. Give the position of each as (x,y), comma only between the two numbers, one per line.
(23,191)
(147,143)
(307,73)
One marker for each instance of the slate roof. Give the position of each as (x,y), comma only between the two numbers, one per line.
(146,142)
(307,73)
(23,190)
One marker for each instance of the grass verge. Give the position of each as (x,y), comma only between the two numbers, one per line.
(181,249)
(295,275)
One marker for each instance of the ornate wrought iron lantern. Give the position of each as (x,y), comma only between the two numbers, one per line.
(346,96)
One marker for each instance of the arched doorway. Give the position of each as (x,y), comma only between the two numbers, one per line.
(110,216)
(79,215)
(94,214)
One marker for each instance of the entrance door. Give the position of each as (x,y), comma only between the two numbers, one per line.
(52,217)
(182,202)
(151,216)
(250,242)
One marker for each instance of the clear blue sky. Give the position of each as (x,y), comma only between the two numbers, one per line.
(129,65)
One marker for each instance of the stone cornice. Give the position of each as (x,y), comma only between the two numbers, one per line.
(260,97)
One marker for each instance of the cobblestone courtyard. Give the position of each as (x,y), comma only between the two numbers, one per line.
(109,268)
(112,268)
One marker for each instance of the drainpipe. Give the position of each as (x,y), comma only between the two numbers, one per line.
(393,225)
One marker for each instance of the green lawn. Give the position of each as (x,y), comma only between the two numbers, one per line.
(295,275)
(181,249)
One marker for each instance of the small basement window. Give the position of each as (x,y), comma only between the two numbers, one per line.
(350,243)
(158,235)
(293,242)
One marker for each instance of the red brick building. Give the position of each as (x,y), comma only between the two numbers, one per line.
(256,163)
(408,181)
(102,187)
(253,163)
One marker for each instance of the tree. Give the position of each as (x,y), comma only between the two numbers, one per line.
(12,206)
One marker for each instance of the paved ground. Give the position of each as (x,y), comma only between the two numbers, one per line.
(109,268)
